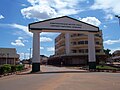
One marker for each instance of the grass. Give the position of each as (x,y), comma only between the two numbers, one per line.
(106,67)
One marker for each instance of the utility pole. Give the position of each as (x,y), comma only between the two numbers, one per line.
(30,54)
(30,58)
(118,18)
(24,55)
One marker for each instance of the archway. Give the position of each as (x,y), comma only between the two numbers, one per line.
(62,24)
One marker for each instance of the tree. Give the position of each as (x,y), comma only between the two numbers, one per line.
(107,52)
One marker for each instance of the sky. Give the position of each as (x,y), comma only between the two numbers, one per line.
(15,15)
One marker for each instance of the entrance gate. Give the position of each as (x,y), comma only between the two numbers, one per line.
(65,25)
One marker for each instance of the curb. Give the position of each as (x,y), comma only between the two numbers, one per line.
(15,73)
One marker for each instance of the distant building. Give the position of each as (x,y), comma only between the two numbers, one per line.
(116,56)
(25,61)
(116,53)
(43,59)
(8,56)
(78,49)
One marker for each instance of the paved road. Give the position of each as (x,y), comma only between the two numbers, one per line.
(54,78)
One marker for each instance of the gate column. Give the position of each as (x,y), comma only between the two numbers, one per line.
(36,52)
(91,51)
(67,43)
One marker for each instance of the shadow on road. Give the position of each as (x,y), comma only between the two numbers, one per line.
(53,72)
(50,72)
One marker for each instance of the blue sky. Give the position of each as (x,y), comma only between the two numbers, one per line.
(15,15)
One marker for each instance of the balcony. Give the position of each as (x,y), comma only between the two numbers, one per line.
(60,48)
(60,41)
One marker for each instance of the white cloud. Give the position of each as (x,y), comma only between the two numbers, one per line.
(25,30)
(27,55)
(104,26)
(109,17)
(24,55)
(38,12)
(43,9)
(45,39)
(25,41)
(21,55)
(20,38)
(51,49)
(114,49)
(91,20)
(41,48)
(23,5)
(1,17)
(109,6)
(111,41)
(21,27)
(18,43)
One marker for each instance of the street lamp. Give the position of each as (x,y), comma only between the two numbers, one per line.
(118,18)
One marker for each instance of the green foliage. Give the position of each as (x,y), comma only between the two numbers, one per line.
(102,63)
(13,68)
(1,70)
(19,67)
(6,68)
(106,67)
(107,52)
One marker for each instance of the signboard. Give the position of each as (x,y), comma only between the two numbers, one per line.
(65,25)
(62,23)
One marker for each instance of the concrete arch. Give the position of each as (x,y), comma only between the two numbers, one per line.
(62,24)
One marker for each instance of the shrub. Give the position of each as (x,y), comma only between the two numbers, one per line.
(6,68)
(13,68)
(1,70)
(19,67)
(106,68)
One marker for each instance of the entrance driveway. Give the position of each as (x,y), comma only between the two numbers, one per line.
(61,78)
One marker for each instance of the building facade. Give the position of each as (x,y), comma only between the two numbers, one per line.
(77,47)
(43,59)
(116,56)
(8,56)
(67,25)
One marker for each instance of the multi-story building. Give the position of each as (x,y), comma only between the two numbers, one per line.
(77,47)
(8,56)
(116,56)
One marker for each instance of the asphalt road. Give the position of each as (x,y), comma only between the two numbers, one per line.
(60,78)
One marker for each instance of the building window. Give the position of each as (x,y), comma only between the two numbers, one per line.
(80,34)
(73,35)
(98,35)
(86,42)
(97,50)
(74,51)
(97,43)
(81,42)
(81,51)
(74,43)
(86,50)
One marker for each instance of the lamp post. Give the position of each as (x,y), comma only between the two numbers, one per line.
(118,18)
